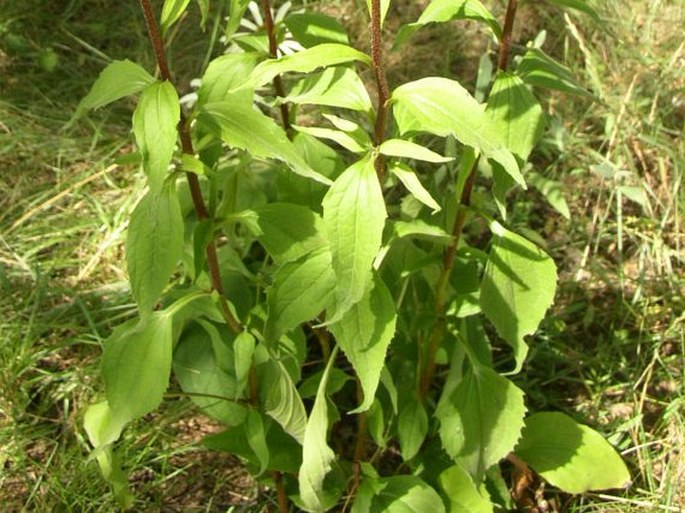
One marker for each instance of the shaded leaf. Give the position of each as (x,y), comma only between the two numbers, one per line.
(397,494)
(540,70)
(552,191)
(579,5)
(280,399)
(412,428)
(313,28)
(224,79)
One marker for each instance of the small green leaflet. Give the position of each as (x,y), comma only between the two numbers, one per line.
(333,87)
(302,289)
(243,348)
(409,179)
(517,288)
(569,455)
(320,56)
(154,125)
(154,246)
(540,70)
(412,427)
(317,456)
(236,12)
(462,493)
(515,114)
(443,107)
(397,494)
(171,12)
(410,150)
(246,128)
(580,5)
(225,79)
(354,217)
(287,231)
(136,365)
(446,10)
(552,191)
(338,136)
(313,28)
(280,399)
(102,429)
(364,334)
(481,419)
(117,80)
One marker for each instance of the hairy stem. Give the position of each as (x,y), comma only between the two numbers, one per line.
(381,84)
(193,182)
(437,334)
(273,51)
(280,491)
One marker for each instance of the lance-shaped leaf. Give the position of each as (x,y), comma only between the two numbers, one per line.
(552,191)
(225,79)
(443,107)
(462,493)
(354,216)
(306,61)
(364,334)
(302,289)
(154,125)
(338,136)
(236,12)
(172,10)
(410,150)
(569,455)
(579,5)
(333,87)
(517,288)
(117,80)
(154,246)
(317,456)
(447,10)
(246,128)
(540,70)
(397,494)
(481,419)
(409,179)
(412,427)
(287,231)
(314,28)
(136,364)
(280,399)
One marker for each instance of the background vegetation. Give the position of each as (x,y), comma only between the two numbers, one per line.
(611,354)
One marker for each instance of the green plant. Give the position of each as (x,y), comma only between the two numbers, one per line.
(314,293)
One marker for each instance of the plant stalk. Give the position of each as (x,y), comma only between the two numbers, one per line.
(440,325)
(273,51)
(381,84)
(193,182)
(280,492)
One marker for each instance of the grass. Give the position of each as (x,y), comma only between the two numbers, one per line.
(612,353)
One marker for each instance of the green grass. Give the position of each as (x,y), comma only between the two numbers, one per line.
(612,353)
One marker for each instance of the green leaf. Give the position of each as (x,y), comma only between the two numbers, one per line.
(397,494)
(410,150)
(256,438)
(154,125)
(569,455)
(552,191)
(288,232)
(354,217)
(385,5)
(246,128)
(517,288)
(447,10)
(333,87)
(102,429)
(203,5)
(136,364)
(421,230)
(412,428)
(462,493)
(313,28)
(364,334)
(117,80)
(306,61)
(302,290)
(540,70)
(481,419)
(443,107)
(409,179)
(225,79)
(317,456)
(342,138)
(515,114)
(236,12)
(203,365)
(280,399)
(243,348)
(154,246)
(579,5)
(171,12)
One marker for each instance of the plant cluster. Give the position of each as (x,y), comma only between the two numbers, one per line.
(328,309)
